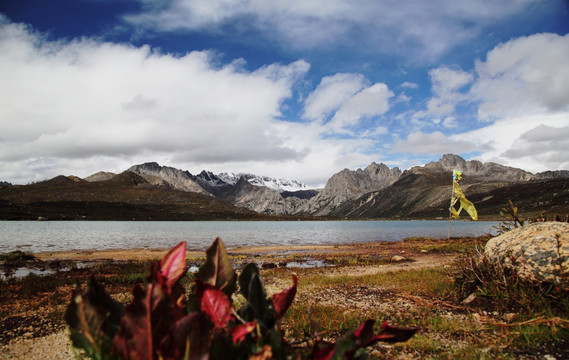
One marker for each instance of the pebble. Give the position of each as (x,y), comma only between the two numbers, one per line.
(469,299)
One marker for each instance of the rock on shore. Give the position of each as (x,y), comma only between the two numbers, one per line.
(538,251)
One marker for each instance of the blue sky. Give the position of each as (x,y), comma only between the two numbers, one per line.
(297,89)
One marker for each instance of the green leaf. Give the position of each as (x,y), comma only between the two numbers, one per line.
(217,270)
(245,278)
(257,307)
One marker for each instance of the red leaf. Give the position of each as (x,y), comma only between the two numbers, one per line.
(190,335)
(392,334)
(364,334)
(173,264)
(283,300)
(147,320)
(239,332)
(216,305)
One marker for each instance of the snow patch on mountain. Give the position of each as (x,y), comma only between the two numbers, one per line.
(279,185)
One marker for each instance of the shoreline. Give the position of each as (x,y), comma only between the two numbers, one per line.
(415,245)
(156,254)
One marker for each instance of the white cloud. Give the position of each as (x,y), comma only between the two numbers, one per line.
(331,93)
(81,106)
(369,102)
(446,86)
(403,98)
(522,94)
(447,81)
(433,143)
(527,75)
(409,85)
(343,100)
(543,143)
(85,99)
(534,143)
(428,28)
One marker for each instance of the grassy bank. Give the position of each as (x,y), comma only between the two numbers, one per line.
(352,283)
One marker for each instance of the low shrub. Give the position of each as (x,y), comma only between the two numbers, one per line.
(504,290)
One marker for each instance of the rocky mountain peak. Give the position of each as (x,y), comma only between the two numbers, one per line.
(162,175)
(262,199)
(452,161)
(348,185)
(448,162)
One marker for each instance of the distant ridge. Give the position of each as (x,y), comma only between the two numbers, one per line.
(151,191)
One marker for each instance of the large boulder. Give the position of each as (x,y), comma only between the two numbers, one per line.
(539,251)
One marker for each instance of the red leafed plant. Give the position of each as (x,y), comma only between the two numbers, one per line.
(163,322)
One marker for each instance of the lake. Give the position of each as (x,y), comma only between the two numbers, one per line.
(41,236)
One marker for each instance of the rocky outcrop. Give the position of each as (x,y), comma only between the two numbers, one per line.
(348,185)
(262,199)
(557,174)
(539,251)
(213,184)
(100,176)
(476,168)
(162,175)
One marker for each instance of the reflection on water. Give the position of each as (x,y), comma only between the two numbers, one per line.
(45,236)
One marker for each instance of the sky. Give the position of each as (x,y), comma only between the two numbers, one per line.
(294,89)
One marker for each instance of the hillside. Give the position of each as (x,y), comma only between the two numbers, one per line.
(422,193)
(126,196)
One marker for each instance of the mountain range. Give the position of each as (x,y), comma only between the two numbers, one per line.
(151,191)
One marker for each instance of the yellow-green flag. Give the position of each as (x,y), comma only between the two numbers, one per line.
(465,204)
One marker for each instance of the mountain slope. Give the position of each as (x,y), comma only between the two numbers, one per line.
(127,196)
(424,192)
(262,199)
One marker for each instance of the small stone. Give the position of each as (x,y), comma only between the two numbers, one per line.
(398,258)
(424,251)
(469,299)
(509,317)
(549,357)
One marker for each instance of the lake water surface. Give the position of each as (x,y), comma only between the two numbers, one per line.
(40,236)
